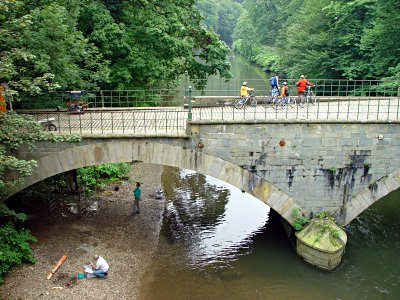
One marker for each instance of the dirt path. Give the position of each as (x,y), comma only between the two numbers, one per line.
(126,242)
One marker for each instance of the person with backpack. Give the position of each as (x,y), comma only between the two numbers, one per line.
(274,81)
(302,85)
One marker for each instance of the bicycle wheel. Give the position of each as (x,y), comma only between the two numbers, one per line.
(302,100)
(239,103)
(291,101)
(279,103)
(313,98)
(269,101)
(253,101)
(52,127)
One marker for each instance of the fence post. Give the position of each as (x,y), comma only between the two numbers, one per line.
(190,103)
(186,87)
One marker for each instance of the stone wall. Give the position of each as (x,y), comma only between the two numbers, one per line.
(339,167)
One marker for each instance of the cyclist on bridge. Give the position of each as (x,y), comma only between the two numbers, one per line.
(284,90)
(245,90)
(302,85)
(274,81)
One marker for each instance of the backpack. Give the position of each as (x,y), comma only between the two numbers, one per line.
(273,81)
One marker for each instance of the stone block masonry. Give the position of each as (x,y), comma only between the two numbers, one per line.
(324,166)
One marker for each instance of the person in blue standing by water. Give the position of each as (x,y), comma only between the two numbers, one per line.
(136,193)
(274,81)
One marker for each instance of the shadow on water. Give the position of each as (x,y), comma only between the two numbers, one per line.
(217,243)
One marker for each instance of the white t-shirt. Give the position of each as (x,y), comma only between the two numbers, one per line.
(102,264)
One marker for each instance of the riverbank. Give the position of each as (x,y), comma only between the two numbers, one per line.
(126,242)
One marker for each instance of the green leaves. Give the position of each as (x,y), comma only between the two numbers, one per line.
(17,131)
(94,177)
(14,247)
(323,39)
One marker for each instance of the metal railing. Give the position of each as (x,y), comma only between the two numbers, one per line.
(324,88)
(172,122)
(216,90)
(117,122)
(351,109)
(104,99)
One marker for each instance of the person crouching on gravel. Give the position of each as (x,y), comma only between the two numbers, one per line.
(101,267)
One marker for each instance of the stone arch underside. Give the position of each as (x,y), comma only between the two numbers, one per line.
(371,194)
(163,154)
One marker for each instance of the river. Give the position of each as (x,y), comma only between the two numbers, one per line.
(241,71)
(219,243)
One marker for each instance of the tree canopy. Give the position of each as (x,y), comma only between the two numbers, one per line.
(91,44)
(355,39)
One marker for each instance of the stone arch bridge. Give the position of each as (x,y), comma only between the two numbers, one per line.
(339,166)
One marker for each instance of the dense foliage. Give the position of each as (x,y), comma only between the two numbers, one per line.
(90,44)
(221,15)
(17,131)
(14,243)
(94,177)
(355,39)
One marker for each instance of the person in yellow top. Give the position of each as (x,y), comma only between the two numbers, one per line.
(244,90)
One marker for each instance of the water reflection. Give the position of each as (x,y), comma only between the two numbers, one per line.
(205,253)
(211,218)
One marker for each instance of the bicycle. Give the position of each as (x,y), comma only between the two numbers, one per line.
(242,101)
(272,98)
(281,102)
(308,97)
(48,125)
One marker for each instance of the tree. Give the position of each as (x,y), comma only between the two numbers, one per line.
(150,44)
(40,49)
(228,15)
(61,49)
(327,39)
(20,131)
(19,69)
(14,242)
(381,42)
(209,11)
(221,16)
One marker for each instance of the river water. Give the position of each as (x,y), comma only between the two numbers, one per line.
(219,243)
(241,71)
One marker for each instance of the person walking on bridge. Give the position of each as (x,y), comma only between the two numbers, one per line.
(302,85)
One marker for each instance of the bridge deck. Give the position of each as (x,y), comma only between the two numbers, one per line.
(167,121)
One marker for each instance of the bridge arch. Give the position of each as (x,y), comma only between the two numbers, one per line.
(162,154)
(370,195)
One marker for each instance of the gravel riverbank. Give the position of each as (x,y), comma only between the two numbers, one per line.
(126,242)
